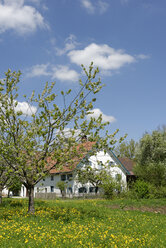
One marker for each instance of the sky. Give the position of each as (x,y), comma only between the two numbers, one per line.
(48,40)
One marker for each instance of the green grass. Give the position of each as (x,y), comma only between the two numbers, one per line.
(81,223)
(135,202)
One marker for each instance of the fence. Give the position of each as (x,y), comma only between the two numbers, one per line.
(51,196)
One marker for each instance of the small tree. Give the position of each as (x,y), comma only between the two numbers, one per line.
(28,139)
(62,186)
(127,149)
(151,158)
(100,178)
(91,175)
(14,184)
(109,187)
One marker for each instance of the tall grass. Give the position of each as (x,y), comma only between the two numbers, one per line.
(79,223)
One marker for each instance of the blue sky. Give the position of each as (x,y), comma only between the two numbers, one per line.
(48,40)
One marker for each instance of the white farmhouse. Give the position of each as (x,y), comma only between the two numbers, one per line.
(69,176)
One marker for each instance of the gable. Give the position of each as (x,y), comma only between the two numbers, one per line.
(108,156)
(86,155)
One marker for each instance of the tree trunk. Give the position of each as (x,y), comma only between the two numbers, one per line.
(96,190)
(31,206)
(0,196)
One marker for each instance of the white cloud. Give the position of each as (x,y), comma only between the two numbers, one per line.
(95,6)
(88,6)
(70,44)
(108,59)
(97,112)
(103,6)
(38,70)
(44,7)
(63,73)
(69,132)
(143,56)
(103,56)
(38,3)
(34,1)
(14,15)
(26,108)
(60,72)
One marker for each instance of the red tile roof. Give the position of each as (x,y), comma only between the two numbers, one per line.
(128,164)
(82,149)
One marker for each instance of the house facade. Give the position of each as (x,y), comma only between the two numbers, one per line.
(69,176)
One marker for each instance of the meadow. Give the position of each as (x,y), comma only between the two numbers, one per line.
(83,223)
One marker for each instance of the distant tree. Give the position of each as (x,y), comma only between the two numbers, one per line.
(109,187)
(100,178)
(14,184)
(151,158)
(94,176)
(62,186)
(127,149)
(29,138)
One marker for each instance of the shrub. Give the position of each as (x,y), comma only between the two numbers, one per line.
(141,189)
(108,189)
(158,192)
(62,186)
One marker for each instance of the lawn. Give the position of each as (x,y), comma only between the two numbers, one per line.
(83,223)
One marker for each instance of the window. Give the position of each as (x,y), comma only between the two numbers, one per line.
(45,190)
(69,177)
(52,189)
(52,178)
(93,190)
(82,190)
(63,177)
(37,190)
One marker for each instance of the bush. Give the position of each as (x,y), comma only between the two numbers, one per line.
(108,189)
(141,189)
(158,192)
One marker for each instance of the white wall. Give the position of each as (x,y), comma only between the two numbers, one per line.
(106,159)
(5,192)
(23,192)
(44,186)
